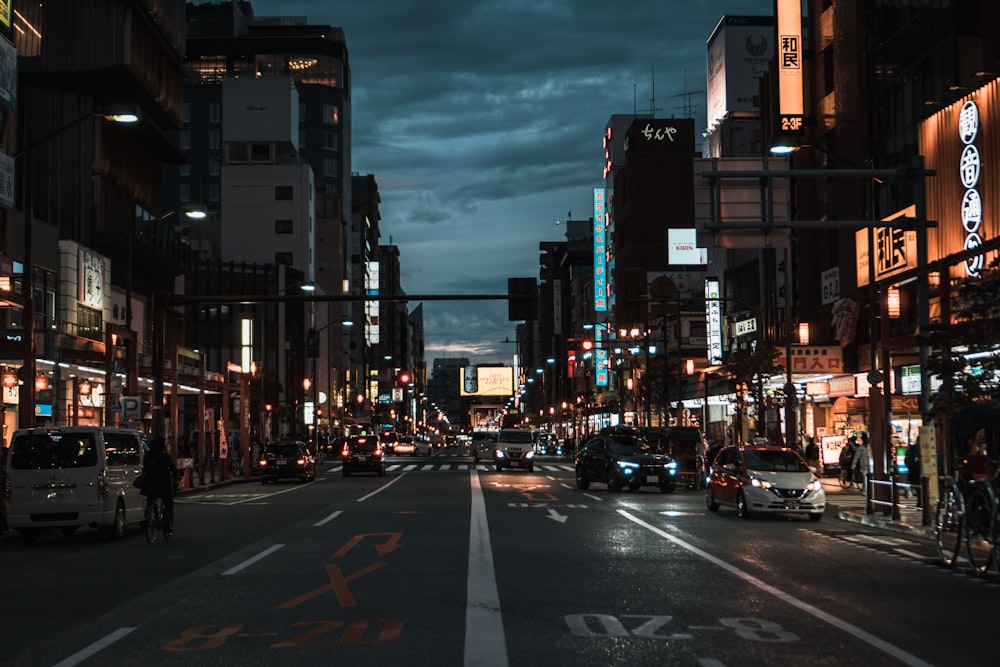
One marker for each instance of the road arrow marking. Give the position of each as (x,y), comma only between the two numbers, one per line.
(556,516)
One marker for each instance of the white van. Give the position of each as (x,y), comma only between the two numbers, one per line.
(74,476)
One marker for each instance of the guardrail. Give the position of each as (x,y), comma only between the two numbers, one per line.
(877,490)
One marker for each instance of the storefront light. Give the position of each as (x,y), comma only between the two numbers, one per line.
(9,379)
(41,383)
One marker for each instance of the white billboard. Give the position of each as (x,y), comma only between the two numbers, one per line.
(487,381)
(682,247)
(738,53)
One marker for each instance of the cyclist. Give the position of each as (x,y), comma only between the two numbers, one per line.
(159,473)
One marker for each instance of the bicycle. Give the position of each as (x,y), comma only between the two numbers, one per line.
(154,520)
(980,521)
(949,519)
(849,479)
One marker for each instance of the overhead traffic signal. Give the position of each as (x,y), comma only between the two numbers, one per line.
(403,378)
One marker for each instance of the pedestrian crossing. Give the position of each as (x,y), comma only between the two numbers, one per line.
(455,467)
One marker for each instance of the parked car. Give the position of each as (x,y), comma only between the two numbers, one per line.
(74,476)
(363,453)
(764,479)
(624,458)
(290,458)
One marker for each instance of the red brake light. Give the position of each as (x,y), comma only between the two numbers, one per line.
(346,451)
(378,450)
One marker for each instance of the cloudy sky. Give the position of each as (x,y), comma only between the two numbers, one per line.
(482,123)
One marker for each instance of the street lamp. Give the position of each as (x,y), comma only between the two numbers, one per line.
(26,398)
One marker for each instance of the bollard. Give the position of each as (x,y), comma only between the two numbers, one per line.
(869,505)
(925,514)
(895,499)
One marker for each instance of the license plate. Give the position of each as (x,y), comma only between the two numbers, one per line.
(281,462)
(652,479)
(791,504)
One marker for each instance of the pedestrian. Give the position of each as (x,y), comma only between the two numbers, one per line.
(862,459)
(812,455)
(912,461)
(158,475)
(847,457)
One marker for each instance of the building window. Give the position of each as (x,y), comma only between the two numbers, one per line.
(237,153)
(215,112)
(89,323)
(184,140)
(187,113)
(331,114)
(330,141)
(283,193)
(260,153)
(185,192)
(282,226)
(215,139)
(331,167)
(214,165)
(283,258)
(184,170)
(213,192)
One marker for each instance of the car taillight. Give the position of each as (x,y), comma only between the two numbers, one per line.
(102,484)
(263,462)
(301,462)
(378,451)
(346,451)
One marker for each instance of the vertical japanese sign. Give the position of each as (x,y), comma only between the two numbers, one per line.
(970,167)
(600,253)
(790,110)
(602,367)
(713,316)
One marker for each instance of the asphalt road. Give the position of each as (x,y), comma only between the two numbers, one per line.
(442,562)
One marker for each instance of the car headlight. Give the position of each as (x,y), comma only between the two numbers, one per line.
(672,465)
(760,483)
(529,455)
(814,485)
(499,453)
(627,467)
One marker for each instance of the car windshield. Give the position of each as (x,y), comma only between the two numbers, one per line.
(623,445)
(281,450)
(51,450)
(517,436)
(774,461)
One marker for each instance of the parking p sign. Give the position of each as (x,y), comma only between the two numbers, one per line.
(131,407)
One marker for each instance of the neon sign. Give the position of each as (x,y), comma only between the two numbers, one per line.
(969,168)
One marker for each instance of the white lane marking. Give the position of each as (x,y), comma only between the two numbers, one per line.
(910,554)
(381,488)
(206,499)
(863,635)
(250,561)
(593,497)
(429,466)
(412,466)
(99,645)
(485,642)
(329,518)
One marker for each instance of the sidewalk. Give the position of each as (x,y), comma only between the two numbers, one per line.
(849,504)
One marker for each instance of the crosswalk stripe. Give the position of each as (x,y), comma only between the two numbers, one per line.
(481,466)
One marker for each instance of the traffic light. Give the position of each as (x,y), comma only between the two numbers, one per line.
(586,345)
(403,379)
(268,407)
(522,299)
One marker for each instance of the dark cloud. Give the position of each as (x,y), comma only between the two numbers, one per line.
(482,120)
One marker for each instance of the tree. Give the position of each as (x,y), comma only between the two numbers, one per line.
(752,365)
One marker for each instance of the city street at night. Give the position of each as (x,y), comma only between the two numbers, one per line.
(444,562)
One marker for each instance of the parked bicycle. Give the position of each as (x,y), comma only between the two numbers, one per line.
(154,520)
(967,510)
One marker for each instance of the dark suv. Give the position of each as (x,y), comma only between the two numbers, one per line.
(287,459)
(624,458)
(363,453)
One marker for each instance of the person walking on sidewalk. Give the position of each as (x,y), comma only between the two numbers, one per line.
(812,455)
(912,461)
